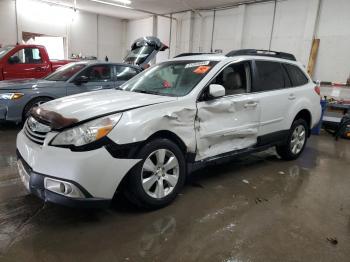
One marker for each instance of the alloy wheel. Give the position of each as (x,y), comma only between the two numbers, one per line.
(160,173)
(298,139)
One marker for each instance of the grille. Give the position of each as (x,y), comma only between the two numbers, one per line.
(35,130)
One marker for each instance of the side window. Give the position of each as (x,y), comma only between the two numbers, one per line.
(297,77)
(124,73)
(235,78)
(97,73)
(26,56)
(269,76)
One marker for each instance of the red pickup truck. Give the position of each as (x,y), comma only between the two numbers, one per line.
(26,61)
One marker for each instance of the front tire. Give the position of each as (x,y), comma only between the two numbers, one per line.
(296,141)
(158,178)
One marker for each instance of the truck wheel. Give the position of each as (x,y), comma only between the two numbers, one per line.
(33,103)
(296,141)
(157,179)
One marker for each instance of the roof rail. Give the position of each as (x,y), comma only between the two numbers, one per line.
(258,52)
(189,54)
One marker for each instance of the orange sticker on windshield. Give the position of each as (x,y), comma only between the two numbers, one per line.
(201,70)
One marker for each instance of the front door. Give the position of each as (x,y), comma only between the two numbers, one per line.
(26,63)
(231,122)
(98,77)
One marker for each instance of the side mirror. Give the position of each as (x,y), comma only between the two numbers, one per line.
(216,90)
(13,60)
(81,80)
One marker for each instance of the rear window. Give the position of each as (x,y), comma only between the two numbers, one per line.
(270,76)
(297,77)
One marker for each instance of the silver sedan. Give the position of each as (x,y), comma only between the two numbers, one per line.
(18,97)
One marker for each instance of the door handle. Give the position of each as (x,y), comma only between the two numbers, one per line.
(291,97)
(251,104)
(39,69)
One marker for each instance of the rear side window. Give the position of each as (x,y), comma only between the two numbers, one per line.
(297,77)
(270,76)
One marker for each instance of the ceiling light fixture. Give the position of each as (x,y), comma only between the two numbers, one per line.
(123,3)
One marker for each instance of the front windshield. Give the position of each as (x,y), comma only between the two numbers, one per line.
(176,78)
(65,72)
(5,50)
(138,55)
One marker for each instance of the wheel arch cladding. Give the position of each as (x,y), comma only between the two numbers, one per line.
(304,114)
(171,136)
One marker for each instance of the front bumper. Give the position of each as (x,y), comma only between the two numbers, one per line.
(95,172)
(3,112)
(34,183)
(11,111)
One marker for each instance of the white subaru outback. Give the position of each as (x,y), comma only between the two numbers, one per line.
(143,138)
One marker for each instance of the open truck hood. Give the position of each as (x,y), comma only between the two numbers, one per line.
(143,50)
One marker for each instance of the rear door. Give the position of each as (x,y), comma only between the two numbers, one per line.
(27,62)
(270,84)
(231,122)
(98,77)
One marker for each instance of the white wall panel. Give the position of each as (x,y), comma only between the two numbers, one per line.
(8,33)
(333,61)
(83,35)
(110,39)
(257,25)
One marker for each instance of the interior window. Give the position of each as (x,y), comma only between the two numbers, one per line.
(269,76)
(97,73)
(124,73)
(26,56)
(234,78)
(297,77)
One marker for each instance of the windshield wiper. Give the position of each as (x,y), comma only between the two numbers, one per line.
(147,92)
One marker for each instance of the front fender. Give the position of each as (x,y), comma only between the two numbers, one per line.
(139,124)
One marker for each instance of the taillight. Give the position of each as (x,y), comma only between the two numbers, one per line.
(318,90)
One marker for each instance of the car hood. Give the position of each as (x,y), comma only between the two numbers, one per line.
(20,84)
(93,104)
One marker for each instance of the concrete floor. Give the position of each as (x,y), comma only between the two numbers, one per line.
(285,212)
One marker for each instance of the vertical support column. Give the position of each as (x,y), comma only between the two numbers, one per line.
(155,25)
(124,43)
(309,30)
(240,27)
(191,31)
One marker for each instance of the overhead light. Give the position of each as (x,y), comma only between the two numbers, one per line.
(123,3)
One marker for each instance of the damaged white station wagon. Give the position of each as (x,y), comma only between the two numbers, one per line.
(143,138)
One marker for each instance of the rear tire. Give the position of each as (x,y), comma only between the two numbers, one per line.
(157,179)
(296,141)
(31,104)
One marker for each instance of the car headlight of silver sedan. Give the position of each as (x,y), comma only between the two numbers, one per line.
(88,132)
(11,96)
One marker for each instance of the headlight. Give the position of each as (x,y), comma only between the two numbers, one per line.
(11,96)
(88,132)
